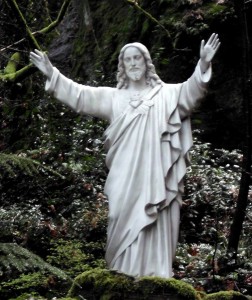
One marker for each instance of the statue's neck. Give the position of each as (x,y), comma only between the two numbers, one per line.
(137,86)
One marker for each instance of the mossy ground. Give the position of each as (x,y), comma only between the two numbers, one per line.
(103,284)
(228,295)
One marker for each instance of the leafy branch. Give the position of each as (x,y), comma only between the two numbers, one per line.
(29,166)
(15,257)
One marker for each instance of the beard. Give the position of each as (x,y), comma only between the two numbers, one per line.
(135,74)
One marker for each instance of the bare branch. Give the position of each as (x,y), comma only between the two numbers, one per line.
(22,19)
(29,68)
(47,29)
(14,44)
(60,16)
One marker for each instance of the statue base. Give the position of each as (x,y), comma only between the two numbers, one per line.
(107,285)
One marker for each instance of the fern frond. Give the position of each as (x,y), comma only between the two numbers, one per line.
(29,166)
(16,258)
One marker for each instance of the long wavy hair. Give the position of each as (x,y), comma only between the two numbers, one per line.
(152,78)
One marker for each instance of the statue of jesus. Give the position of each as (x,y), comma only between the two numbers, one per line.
(147,143)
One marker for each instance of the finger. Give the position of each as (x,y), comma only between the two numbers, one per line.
(36,60)
(210,40)
(34,55)
(39,53)
(202,45)
(216,44)
(215,40)
(217,47)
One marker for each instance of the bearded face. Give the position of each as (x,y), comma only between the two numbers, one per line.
(134,64)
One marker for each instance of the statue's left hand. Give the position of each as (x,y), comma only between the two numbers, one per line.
(42,62)
(208,50)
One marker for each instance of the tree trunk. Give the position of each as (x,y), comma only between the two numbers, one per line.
(242,202)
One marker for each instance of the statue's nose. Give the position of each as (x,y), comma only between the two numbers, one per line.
(133,62)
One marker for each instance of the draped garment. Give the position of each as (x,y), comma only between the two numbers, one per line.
(147,146)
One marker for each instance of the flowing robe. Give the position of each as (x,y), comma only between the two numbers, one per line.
(147,145)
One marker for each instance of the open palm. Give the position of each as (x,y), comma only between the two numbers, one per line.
(208,50)
(42,62)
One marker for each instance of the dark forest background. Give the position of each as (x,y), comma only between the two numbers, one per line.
(53,213)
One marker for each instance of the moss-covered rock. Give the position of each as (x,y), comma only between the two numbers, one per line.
(104,284)
(228,295)
(149,287)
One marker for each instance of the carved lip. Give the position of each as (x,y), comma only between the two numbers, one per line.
(134,69)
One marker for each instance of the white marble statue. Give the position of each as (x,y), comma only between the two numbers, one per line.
(147,144)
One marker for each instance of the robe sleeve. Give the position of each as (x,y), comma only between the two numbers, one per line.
(94,101)
(193,90)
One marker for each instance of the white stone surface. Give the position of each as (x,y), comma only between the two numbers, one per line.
(147,145)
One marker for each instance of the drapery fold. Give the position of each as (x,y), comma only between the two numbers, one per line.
(147,146)
(150,150)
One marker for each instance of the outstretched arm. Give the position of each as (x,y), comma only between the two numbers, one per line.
(82,99)
(208,51)
(42,62)
(195,87)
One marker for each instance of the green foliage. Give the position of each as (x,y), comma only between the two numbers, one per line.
(71,256)
(208,269)
(10,162)
(22,271)
(64,220)
(16,259)
(30,296)
(211,189)
(213,10)
(26,281)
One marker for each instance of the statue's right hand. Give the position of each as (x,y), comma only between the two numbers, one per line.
(42,62)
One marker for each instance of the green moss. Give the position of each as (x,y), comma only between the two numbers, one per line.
(68,298)
(16,74)
(36,296)
(228,295)
(26,296)
(104,284)
(100,283)
(160,286)
(108,285)
(12,64)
